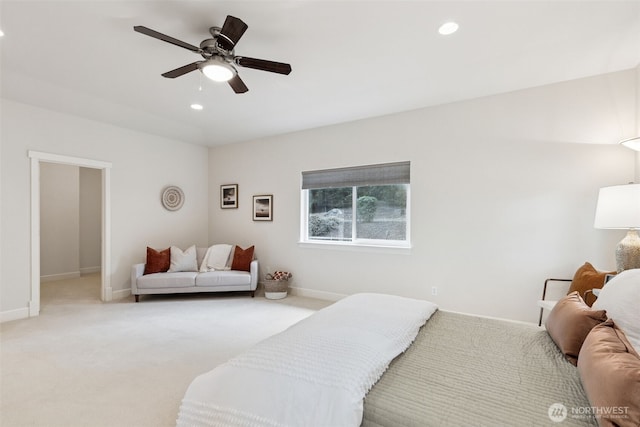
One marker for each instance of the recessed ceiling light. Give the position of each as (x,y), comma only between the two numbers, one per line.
(197,107)
(1,33)
(448,28)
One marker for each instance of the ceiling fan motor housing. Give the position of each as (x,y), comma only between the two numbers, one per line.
(211,47)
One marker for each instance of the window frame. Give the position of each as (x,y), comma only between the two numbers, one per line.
(354,242)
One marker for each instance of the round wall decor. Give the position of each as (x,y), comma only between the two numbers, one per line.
(172,198)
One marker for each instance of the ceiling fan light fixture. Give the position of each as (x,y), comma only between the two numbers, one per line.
(217,70)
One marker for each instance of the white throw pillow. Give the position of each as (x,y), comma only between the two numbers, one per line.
(183,261)
(621,298)
(216,258)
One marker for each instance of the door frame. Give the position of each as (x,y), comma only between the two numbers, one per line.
(37,157)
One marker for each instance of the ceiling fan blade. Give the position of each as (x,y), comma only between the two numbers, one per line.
(182,70)
(231,32)
(264,65)
(156,35)
(238,85)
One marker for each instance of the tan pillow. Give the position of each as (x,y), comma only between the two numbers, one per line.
(610,372)
(587,278)
(157,261)
(242,258)
(570,322)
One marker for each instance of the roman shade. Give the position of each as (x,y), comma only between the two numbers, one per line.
(381,174)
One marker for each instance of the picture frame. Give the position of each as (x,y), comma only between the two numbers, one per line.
(263,208)
(229,196)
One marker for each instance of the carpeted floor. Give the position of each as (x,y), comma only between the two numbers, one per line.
(87,363)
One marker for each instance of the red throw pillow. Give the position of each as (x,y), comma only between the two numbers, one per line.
(242,258)
(157,261)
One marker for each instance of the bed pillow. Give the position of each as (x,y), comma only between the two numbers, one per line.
(570,322)
(610,373)
(620,297)
(183,261)
(242,258)
(157,261)
(587,278)
(216,258)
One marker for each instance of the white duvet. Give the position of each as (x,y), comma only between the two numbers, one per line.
(316,373)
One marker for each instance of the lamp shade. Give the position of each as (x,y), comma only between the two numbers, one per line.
(633,143)
(618,207)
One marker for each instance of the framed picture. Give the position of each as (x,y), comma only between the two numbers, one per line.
(263,208)
(229,196)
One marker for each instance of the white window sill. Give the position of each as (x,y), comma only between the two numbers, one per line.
(356,247)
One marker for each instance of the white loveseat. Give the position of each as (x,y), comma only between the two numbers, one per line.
(193,281)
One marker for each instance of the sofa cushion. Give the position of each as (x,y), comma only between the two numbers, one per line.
(157,261)
(183,260)
(242,258)
(182,279)
(224,278)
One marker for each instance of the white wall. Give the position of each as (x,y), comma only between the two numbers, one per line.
(143,165)
(59,219)
(503,194)
(90,220)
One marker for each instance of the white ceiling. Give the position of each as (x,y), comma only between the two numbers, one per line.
(350,59)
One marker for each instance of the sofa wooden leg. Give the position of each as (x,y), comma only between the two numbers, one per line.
(137,298)
(253,294)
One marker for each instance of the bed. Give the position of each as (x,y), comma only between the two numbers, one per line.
(380,360)
(465,370)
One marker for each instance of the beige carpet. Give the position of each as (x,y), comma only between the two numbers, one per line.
(87,363)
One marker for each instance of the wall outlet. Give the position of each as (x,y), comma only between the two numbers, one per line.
(434,290)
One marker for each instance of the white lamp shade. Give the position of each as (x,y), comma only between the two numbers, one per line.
(633,143)
(618,207)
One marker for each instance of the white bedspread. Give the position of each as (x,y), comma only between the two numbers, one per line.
(316,373)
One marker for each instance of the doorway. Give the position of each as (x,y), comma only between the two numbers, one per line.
(105,266)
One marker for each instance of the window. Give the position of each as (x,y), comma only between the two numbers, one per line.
(364,205)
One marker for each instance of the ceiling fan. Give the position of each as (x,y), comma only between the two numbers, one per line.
(219,56)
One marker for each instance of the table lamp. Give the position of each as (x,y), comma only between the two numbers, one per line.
(619,208)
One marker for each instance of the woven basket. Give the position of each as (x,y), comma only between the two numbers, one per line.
(275,285)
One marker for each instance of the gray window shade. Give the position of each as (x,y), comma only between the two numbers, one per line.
(357,176)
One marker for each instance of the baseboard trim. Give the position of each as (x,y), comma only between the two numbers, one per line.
(89,270)
(312,293)
(121,293)
(60,276)
(17,314)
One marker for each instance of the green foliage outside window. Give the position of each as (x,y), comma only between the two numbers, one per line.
(321,225)
(367,206)
(379,213)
